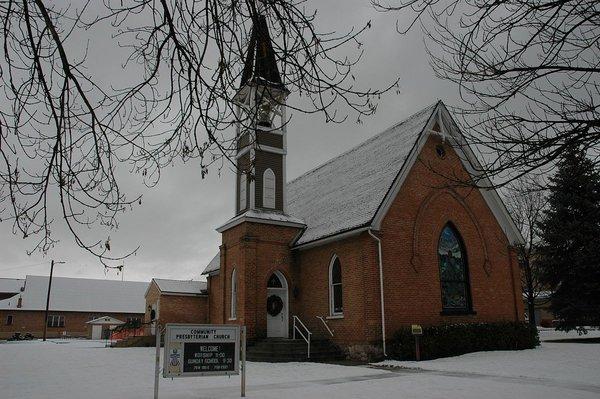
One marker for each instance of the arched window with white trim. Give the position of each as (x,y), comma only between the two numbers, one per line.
(454,271)
(243,185)
(268,189)
(336,306)
(233,313)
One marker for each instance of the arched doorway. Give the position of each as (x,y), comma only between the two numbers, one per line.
(277,306)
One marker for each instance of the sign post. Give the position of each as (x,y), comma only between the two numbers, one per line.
(192,350)
(201,350)
(243,355)
(417,331)
(157,358)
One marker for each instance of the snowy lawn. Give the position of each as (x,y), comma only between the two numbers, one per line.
(563,363)
(85,369)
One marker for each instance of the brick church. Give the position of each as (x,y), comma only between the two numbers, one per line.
(377,238)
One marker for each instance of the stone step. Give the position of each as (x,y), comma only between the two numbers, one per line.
(288,350)
(291,342)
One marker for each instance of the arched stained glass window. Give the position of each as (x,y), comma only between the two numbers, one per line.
(336,306)
(454,274)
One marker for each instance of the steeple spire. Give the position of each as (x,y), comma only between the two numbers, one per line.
(261,65)
(261,139)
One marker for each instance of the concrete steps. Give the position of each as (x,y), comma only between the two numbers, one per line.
(275,350)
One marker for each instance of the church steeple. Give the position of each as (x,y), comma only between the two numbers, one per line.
(261,64)
(261,132)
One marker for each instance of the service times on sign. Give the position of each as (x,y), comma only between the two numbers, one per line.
(196,349)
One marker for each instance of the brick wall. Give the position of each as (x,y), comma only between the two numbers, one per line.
(176,308)
(409,232)
(183,309)
(255,251)
(215,299)
(361,321)
(26,321)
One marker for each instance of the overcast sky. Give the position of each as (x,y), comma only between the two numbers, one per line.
(175,225)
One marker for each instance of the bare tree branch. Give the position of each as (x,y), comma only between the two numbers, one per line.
(528,74)
(63,134)
(526,201)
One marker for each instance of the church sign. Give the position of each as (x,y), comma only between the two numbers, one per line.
(201,350)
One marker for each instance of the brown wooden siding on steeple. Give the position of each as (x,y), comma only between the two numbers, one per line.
(243,141)
(269,139)
(264,161)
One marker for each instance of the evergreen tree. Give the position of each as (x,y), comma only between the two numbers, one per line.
(570,234)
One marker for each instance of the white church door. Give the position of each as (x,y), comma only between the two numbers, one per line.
(277,306)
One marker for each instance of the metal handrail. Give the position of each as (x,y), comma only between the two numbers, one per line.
(329,330)
(305,337)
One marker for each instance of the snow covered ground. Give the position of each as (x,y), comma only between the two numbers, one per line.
(86,369)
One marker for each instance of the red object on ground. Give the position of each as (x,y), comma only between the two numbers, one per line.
(130,332)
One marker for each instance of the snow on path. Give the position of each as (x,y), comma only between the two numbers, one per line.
(86,369)
(563,362)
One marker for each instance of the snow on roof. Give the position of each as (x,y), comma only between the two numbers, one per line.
(11,285)
(345,192)
(262,216)
(105,320)
(214,265)
(81,295)
(181,286)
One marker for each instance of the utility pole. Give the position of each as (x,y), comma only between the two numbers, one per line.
(48,298)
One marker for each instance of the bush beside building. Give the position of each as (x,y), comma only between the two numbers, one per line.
(457,339)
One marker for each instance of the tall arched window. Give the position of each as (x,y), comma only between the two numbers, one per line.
(243,185)
(233,313)
(336,306)
(269,189)
(454,273)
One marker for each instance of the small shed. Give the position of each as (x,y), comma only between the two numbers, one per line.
(102,326)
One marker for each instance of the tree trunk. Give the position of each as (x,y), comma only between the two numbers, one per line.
(531,311)
(530,295)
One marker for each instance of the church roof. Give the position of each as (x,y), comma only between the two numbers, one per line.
(214,265)
(105,321)
(345,193)
(261,64)
(354,190)
(180,286)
